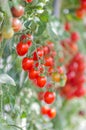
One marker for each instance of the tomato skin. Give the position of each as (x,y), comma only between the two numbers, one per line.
(17,12)
(50,45)
(22,48)
(26,36)
(44,110)
(46,50)
(49,61)
(51,113)
(80,13)
(29,1)
(67,26)
(80,92)
(53,53)
(33,74)
(16,24)
(27,64)
(75,36)
(38,54)
(49,97)
(50,70)
(41,81)
(83,4)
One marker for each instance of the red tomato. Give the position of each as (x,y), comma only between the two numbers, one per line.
(53,53)
(50,45)
(38,54)
(75,36)
(80,13)
(29,42)
(22,48)
(27,63)
(17,12)
(67,26)
(41,81)
(29,1)
(49,97)
(60,69)
(46,50)
(51,113)
(26,37)
(80,92)
(83,4)
(33,74)
(44,110)
(48,61)
(16,24)
(50,70)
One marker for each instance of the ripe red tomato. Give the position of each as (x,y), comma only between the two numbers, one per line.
(41,81)
(48,61)
(50,70)
(33,74)
(38,54)
(80,13)
(26,37)
(67,26)
(44,110)
(80,92)
(17,11)
(49,97)
(60,69)
(75,36)
(22,48)
(29,1)
(16,24)
(50,45)
(53,53)
(83,4)
(51,113)
(73,48)
(46,50)
(27,64)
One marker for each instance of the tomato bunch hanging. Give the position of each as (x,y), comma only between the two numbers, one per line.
(81,11)
(16,24)
(75,66)
(41,67)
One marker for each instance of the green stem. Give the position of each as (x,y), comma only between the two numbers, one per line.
(16,126)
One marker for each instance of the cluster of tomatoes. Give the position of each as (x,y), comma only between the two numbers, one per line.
(41,62)
(75,78)
(16,24)
(75,67)
(81,11)
(70,44)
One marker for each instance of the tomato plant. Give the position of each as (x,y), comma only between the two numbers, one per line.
(42,64)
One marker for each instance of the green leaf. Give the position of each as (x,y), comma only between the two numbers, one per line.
(6,79)
(23,115)
(41,28)
(44,17)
